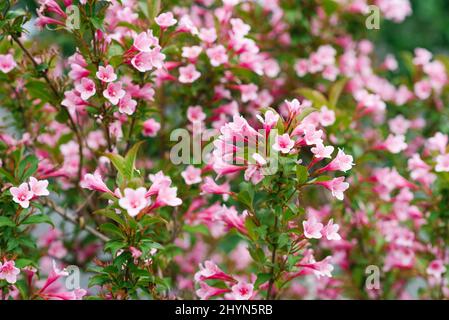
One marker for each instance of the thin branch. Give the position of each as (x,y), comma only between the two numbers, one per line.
(75,220)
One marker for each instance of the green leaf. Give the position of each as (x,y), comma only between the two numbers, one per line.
(6,222)
(39,90)
(314,96)
(97,23)
(251,227)
(27,167)
(261,279)
(335,92)
(198,229)
(111,229)
(7,175)
(130,160)
(111,215)
(38,218)
(301,174)
(154,6)
(118,161)
(21,263)
(330,6)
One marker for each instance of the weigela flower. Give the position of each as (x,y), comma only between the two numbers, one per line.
(8,271)
(86,88)
(134,200)
(188,74)
(283,143)
(106,74)
(7,63)
(191,175)
(312,228)
(22,195)
(150,128)
(165,20)
(114,92)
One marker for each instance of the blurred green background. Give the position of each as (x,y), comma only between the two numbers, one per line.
(428,27)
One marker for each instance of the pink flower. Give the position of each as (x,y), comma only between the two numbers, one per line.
(195,114)
(191,53)
(57,249)
(145,61)
(86,88)
(423,89)
(208,35)
(134,200)
(342,162)
(327,117)
(320,151)
(211,271)
(22,195)
(248,91)
(270,120)
(165,20)
(209,186)
(188,74)
(323,268)
(144,41)
(151,128)
(330,231)
(191,175)
(283,143)
(106,74)
(205,291)
(167,197)
(337,186)
(114,92)
(39,187)
(217,55)
(94,182)
(7,63)
(242,291)
(395,144)
(442,163)
(9,272)
(127,105)
(436,268)
(312,228)
(136,253)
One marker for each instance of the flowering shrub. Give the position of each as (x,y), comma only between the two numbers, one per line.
(229,149)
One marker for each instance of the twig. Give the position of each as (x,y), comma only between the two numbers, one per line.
(75,220)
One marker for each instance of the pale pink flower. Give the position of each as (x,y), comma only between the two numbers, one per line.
(209,186)
(191,175)
(167,197)
(269,120)
(337,186)
(195,114)
(423,89)
(242,291)
(188,74)
(38,187)
(438,142)
(151,127)
(191,53)
(205,291)
(9,272)
(312,228)
(7,63)
(210,271)
(283,143)
(145,41)
(106,74)
(114,92)
(436,268)
(326,116)
(248,91)
(134,200)
(94,182)
(330,231)
(320,151)
(342,162)
(22,195)
(217,55)
(86,88)
(442,163)
(395,143)
(208,35)
(165,20)
(127,104)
